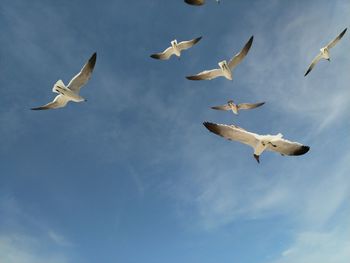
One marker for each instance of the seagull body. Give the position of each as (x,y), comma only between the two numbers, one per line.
(236,107)
(176,48)
(324,52)
(259,143)
(71,91)
(225,68)
(198,2)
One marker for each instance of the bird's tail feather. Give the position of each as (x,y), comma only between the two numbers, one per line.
(58,86)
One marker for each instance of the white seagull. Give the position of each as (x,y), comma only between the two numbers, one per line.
(259,143)
(176,48)
(325,52)
(70,92)
(230,105)
(225,69)
(198,2)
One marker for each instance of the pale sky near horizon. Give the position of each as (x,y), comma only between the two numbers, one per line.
(132,175)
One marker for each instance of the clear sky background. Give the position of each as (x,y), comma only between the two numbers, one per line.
(132,175)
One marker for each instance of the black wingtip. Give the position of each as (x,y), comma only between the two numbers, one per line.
(307,72)
(154,56)
(257,158)
(193,2)
(92,60)
(302,150)
(192,78)
(198,39)
(211,127)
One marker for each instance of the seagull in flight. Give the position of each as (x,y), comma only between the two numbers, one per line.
(71,92)
(230,105)
(176,48)
(225,69)
(198,2)
(259,143)
(325,52)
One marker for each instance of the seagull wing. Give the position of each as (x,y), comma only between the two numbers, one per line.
(83,76)
(194,2)
(232,132)
(166,54)
(207,75)
(240,56)
(286,147)
(313,63)
(336,40)
(222,107)
(248,106)
(187,44)
(59,102)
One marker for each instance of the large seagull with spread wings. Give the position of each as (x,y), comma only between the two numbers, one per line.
(225,69)
(259,143)
(71,91)
(324,52)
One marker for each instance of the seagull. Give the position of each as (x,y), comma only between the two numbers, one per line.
(70,92)
(198,2)
(176,48)
(325,52)
(225,69)
(236,107)
(259,143)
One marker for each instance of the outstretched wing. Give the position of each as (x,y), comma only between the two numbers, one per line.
(166,54)
(336,40)
(194,2)
(286,147)
(222,107)
(187,44)
(83,76)
(232,132)
(240,56)
(59,102)
(248,106)
(313,63)
(207,75)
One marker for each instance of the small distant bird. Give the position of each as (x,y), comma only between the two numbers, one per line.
(325,52)
(71,92)
(198,2)
(236,107)
(225,69)
(176,48)
(260,143)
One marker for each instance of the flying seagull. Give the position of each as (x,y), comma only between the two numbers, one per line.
(259,143)
(176,48)
(198,2)
(230,105)
(225,69)
(70,92)
(325,52)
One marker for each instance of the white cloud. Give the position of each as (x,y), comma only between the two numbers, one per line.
(331,246)
(24,249)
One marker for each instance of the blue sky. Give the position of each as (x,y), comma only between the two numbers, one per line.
(132,175)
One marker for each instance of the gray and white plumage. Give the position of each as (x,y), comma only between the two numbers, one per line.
(230,105)
(225,69)
(259,143)
(198,2)
(324,52)
(176,49)
(71,91)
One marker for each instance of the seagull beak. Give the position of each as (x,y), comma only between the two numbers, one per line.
(257,158)
(85,100)
(329,60)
